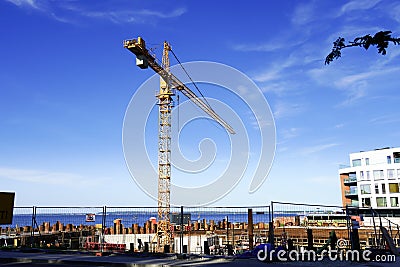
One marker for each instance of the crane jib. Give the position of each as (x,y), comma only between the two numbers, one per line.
(138,47)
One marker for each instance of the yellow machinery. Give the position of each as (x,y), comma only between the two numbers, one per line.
(168,82)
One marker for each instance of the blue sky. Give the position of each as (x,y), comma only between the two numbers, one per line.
(66,81)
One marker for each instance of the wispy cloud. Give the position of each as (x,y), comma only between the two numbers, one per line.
(260,123)
(358,84)
(290,133)
(25,3)
(41,177)
(128,16)
(355,86)
(321,180)
(350,80)
(284,41)
(286,135)
(285,109)
(340,125)
(274,72)
(386,119)
(394,11)
(70,12)
(357,5)
(277,88)
(303,14)
(318,148)
(174,13)
(265,47)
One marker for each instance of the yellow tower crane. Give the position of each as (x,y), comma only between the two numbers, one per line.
(168,82)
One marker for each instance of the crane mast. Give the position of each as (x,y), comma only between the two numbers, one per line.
(168,82)
(164,154)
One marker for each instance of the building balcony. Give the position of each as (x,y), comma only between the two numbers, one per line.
(351,193)
(354,203)
(350,180)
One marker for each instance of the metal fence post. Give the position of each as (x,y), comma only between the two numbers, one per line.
(181,233)
(250,227)
(271,236)
(33,225)
(103,226)
(348,223)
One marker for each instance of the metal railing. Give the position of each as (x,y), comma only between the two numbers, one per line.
(134,228)
(200,230)
(350,180)
(351,192)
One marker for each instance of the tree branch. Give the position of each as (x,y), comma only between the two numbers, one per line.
(381,40)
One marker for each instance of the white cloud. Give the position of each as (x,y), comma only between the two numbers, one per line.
(322,180)
(259,122)
(128,16)
(290,133)
(303,14)
(174,13)
(41,177)
(67,12)
(352,79)
(394,11)
(266,47)
(274,72)
(268,75)
(25,3)
(285,135)
(354,92)
(386,119)
(318,148)
(285,109)
(357,5)
(357,85)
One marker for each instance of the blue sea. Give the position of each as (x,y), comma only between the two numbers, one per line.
(129,218)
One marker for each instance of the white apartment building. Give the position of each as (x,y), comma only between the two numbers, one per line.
(372,180)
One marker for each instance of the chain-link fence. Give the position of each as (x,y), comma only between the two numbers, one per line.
(211,230)
(223,230)
(200,230)
(314,227)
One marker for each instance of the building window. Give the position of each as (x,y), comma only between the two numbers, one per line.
(389,159)
(376,189)
(365,189)
(393,188)
(366,202)
(361,175)
(396,157)
(383,188)
(356,162)
(381,202)
(378,174)
(394,201)
(368,177)
(398,173)
(366,161)
(352,176)
(390,174)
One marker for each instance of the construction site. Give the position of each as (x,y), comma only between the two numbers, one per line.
(218,231)
(165,229)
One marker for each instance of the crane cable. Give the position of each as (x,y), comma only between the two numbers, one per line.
(198,90)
